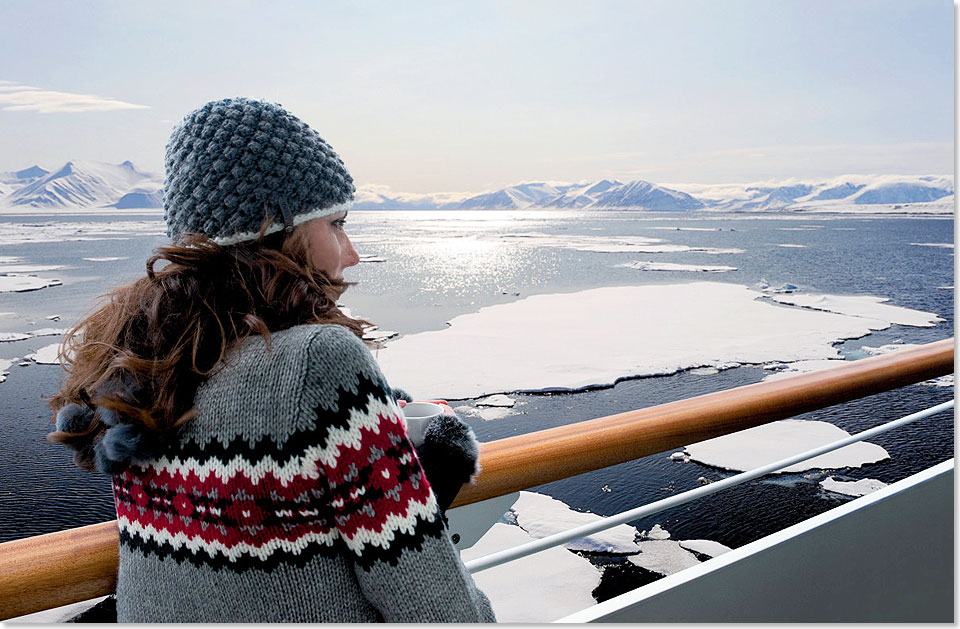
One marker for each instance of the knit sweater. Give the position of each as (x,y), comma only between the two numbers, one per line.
(294,495)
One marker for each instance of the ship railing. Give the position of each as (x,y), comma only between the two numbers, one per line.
(604,523)
(57,569)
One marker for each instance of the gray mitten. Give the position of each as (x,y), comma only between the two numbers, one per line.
(448,456)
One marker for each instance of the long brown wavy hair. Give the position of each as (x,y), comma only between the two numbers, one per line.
(144,353)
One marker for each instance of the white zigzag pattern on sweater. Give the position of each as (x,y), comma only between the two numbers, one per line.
(177,540)
(299,465)
(405,523)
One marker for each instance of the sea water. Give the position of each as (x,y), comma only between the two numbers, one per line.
(424,268)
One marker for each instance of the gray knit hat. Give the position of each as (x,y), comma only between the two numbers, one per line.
(233,162)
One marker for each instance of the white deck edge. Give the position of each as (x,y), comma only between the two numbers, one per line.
(591,614)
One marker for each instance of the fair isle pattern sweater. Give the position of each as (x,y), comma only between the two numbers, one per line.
(294,495)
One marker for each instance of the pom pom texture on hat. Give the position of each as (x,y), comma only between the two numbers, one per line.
(233,162)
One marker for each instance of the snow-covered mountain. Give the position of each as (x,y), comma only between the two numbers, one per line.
(95,184)
(81,184)
(846,192)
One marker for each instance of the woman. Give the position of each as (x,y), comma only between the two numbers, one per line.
(261,465)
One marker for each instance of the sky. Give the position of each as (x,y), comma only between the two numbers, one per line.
(434,96)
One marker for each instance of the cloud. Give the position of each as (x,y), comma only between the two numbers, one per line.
(17,97)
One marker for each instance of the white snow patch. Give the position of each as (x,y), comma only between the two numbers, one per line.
(22,283)
(536,589)
(46,355)
(866,306)
(706,547)
(856,489)
(541,515)
(496,400)
(650,265)
(107,259)
(761,445)
(621,331)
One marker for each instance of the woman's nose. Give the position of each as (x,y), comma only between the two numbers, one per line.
(351,257)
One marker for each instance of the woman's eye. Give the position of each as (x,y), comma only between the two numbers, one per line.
(339,223)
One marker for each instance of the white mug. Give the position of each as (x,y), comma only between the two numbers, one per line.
(418,416)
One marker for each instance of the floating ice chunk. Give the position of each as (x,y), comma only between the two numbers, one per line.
(689,229)
(664,557)
(801,366)
(10,259)
(376,334)
(486,414)
(621,331)
(5,364)
(46,355)
(48,332)
(865,306)
(7,337)
(706,547)
(886,349)
(107,259)
(856,489)
(943,245)
(535,589)
(705,371)
(649,265)
(496,400)
(541,515)
(55,317)
(790,246)
(372,258)
(22,283)
(679,456)
(29,268)
(761,445)
(656,532)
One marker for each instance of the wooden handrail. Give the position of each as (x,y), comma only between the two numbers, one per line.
(78,564)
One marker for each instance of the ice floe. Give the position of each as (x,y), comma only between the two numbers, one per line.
(663,556)
(5,364)
(535,589)
(14,283)
(762,445)
(855,488)
(790,246)
(496,400)
(48,355)
(572,341)
(611,244)
(541,515)
(107,259)
(801,366)
(650,265)
(706,547)
(29,268)
(48,332)
(56,231)
(485,413)
(865,306)
(944,245)
(7,337)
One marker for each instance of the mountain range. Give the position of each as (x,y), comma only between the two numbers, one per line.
(99,185)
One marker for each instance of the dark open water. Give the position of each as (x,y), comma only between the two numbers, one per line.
(442,264)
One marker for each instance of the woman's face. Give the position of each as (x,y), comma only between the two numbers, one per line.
(329,248)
